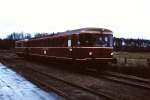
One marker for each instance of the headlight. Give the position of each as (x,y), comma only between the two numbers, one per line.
(45,52)
(90,53)
(112,54)
(70,49)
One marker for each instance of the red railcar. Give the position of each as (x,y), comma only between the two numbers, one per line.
(87,45)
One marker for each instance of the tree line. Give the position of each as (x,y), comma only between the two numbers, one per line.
(9,41)
(133,45)
(120,44)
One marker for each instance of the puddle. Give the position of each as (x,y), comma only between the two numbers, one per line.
(15,87)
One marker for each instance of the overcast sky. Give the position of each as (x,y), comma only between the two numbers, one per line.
(126,18)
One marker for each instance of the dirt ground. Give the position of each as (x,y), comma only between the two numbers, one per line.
(116,90)
(133,59)
(137,63)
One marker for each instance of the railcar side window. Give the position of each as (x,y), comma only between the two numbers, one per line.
(85,40)
(69,43)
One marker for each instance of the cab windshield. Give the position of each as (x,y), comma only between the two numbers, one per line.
(104,41)
(98,40)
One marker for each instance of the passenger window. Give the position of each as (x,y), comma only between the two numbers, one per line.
(69,43)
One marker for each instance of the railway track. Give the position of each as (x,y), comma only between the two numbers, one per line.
(39,74)
(45,85)
(70,84)
(121,78)
(111,76)
(126,79)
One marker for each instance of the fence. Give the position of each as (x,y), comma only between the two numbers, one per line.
(134,61)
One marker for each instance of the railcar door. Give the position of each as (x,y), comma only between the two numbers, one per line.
(69,44)
(72,42)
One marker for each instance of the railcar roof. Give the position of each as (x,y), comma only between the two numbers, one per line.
(77,31)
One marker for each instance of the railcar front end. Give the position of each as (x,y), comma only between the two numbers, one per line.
(94,47)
